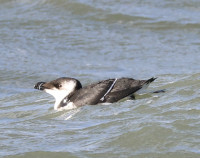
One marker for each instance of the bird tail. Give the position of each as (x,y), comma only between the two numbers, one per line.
(144,85)
(147,82)
(157,91)
(150,80)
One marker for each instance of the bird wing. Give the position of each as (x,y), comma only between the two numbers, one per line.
(125,87)
(93,94)
(90,95)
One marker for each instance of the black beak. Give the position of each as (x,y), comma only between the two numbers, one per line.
(39,85)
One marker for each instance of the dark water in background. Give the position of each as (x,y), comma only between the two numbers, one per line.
(93,40)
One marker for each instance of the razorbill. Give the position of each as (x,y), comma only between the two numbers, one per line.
(69,93)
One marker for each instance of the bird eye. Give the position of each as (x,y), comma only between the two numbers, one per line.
(58,85)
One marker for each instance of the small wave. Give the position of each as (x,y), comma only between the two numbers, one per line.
(122,18)
(166,25)
(68,114)
(72,6)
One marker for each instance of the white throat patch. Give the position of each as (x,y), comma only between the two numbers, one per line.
(59,94)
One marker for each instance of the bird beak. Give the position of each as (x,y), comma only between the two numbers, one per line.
(40,85)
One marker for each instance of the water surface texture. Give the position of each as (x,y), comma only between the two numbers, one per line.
(42,40)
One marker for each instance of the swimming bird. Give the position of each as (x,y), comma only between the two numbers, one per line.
(69,93)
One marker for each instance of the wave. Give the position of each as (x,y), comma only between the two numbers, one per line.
(88,11)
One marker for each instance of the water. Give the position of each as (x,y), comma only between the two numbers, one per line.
(89,40)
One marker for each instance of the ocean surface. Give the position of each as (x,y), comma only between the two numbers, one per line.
(42,40)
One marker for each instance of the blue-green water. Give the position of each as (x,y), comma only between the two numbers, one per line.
(93,40)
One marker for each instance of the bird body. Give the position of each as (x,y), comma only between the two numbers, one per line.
(68,92)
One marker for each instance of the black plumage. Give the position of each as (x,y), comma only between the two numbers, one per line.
(92,94)
(69,90)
